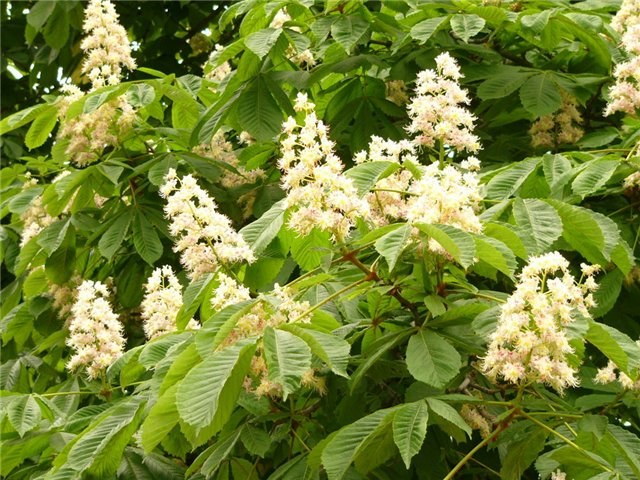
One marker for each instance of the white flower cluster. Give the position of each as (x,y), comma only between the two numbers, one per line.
(95,332)
(530,344)
(632,182)
(560,128)
(624,95)
(107,51)
(35,218)
(204,237)
(435,112)
(228,292)
(319,194)
(106,45)
(64,296)
(450,196)
(162,302)
(608,375)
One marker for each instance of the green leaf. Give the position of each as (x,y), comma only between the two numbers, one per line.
(210,460)
(255,440)
(521,454)
(409,429)
(595,176)
(628,446)
(56,31)
(39,13)
(608,292)
(557,170)
(506,234)
(502,84)
(347,30)
(540,95)
(392,244)
(41,128)
(140,95)
(424,30)
(113,237)
(203,398)
(18,119)
(449,414)
(599,138)
(262,41)
(366,175)
(590,233)
(24,414)
(192,298)
(467,26)
(288,358)
(160,420)
(431,359)
(511,178)
(258,112)
(457,243)
(495,253)
(540,221)
(100,446)
(52,236)
(349,442)
(332,350)
(308,251)
(145,239)
(536,22)
(59,267)
(260,233)
(616,346)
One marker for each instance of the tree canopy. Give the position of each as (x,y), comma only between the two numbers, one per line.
(307,239)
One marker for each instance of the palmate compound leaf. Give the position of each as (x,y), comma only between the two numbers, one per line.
(410,428)
(431,359)
(288,358)
(207,395)
(24,414)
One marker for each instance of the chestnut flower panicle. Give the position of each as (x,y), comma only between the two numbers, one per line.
(95,333)
(319,195)
(161,303)
(435,111)
(530,344)
(205,238)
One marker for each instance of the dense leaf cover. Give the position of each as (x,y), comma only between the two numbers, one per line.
(276,258)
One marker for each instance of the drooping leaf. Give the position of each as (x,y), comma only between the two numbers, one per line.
(616,346)
(24,414)
(495,253)
(41,128)
(410,428)
(260,233)
(431,359)
(467,26)
(540,221)
(540,94)
(596,174)
(510,179)
(348,30)
(288,358)
(392,244)
(348,443)
(113,237)
(258,112)
(424,30)
(262,41)
(366,175)
(200,397)
(145,239)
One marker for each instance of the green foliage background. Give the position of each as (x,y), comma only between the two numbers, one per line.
(399,351)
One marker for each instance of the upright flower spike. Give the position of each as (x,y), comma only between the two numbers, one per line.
(106,45)
(162,302)
(319,194)
(95,334)
(205,238)
(530,344)
(435,111)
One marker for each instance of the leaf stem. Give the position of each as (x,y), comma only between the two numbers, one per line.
(473,451)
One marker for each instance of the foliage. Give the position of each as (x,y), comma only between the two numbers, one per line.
(328,355)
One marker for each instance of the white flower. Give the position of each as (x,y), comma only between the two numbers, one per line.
(95,334)
(162,302)
(435,112)
(204,237)
(106,45)
(228,292)
(530,343)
